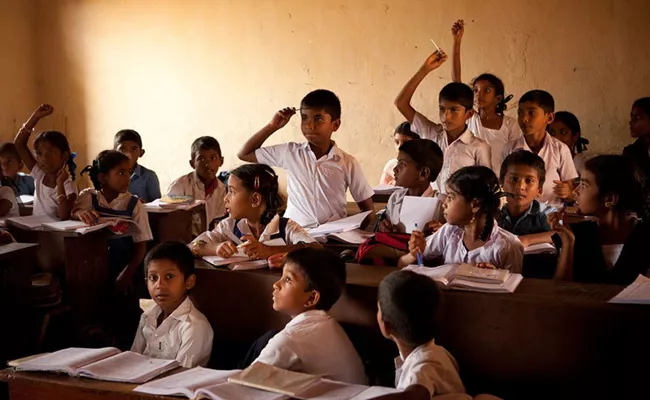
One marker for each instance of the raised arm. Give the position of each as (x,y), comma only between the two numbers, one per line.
(279,120)
(22,138)
(457,31)
(403,100)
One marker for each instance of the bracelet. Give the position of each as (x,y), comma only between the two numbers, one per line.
(24,128)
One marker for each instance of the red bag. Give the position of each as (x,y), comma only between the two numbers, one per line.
(397,241)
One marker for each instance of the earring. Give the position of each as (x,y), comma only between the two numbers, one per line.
(609,204)
(473,219)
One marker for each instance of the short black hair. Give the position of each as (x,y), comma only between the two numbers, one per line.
(8,149)
(127,135)
(405,129)
(205,143)
(323,270)
(410,303)
(106,160)
(176,252)
(499,89)
(424,153)
(527,158)
(458,93)
(644,104)
(325,100)
(541,97)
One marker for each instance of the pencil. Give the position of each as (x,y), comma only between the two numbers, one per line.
(434,43)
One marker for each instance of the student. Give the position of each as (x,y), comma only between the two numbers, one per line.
(8,203)
(489,123)
(639,151)
(312,342)
(144,182)
(522,177)
(566,128)
(613,249)
(11,165)
(252,202)
(403,134)
(202,183)
(174,328)
(459,145)
(53,169)
(319,173)
(407,315)
(470,234)
(535,113)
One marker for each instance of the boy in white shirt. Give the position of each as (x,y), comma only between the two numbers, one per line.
(406,314)
(312,342)
(319,172)
(203,183)
(461,147)
(174,328)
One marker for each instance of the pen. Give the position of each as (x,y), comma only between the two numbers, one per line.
(420,263)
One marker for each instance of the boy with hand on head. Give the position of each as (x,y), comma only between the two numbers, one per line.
(202,183)
(144,182)
(535,113)
(312,342)
(174,328)
(319,172)
(10,174)
(461,147)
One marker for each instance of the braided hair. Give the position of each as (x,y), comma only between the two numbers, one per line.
(261,178)
(104,163)
(479,183)
(571,121)
(499,88)
(58,140)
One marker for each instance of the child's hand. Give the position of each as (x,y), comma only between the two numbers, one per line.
(254,249)
(277,260)
(563,190)
(386,226)
(226,249)
(556,221)
(457,30)
(62,176)
(42,111)
(485,265)
(282,117)
(89,217)
(435,60)
(432,227)
(417,243)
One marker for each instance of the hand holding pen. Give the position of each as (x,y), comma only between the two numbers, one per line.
(417,243)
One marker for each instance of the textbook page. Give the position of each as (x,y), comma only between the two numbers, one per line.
(340,225)
(229,391)
(418,210)
(638,292)
(127,367)
(185,383)
(31,222)
(67,360)
(355,236)
(540,248)
(331,390)
(158,206)
(375,391)
(268,377)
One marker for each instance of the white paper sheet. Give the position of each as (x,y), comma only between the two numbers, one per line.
(637,293)
(418,210)
(341,225)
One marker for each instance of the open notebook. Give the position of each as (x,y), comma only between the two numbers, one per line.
(159,206)
(637,293)
(471,278)
(240,261)
(107,364)
(340,225)
(115,225)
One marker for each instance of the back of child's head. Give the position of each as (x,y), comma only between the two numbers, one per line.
(409,303)
(499,90)
(205,143)
(262,179)
(323,270)
(542,98)
(527,158)
(457,92)
(481,184)
(176,252)
(104,163)
(572,122)
(127,135)
(322,99)
(425,154)
(58,140)
(405,129)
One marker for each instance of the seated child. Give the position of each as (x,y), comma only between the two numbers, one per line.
(54,188)
(319,173)
(471,234)
(402,135)
(461,148)
(252,203)
(174,328)
(408,304)
(535,113)
(11,165)
(144,182)
(522,177)
(566,128)
(312,342)
(8,203)
(639,151)
(202,183)
(613,249)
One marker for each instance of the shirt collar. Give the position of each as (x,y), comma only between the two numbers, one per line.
(137,171)
(400,360)
(102,199)
(307,314)
(180,313)
(270,229)
(467,136)
(334,153)
(533,209)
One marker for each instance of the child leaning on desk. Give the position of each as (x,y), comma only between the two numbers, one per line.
(252,203)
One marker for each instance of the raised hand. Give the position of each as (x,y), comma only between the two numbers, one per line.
(282,117)
(458,29)
(435,60)
(42,111)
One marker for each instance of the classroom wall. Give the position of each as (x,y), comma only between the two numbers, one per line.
(178,69)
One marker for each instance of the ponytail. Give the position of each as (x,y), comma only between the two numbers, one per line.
(93,173)
(502,106)
(581,145)
(260,178)
(72,166)
(104,163)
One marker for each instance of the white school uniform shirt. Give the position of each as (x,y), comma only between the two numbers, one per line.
(224,231)
(394,206)
(314,343)
(45,198)
(465,151)
(191,185)
(502,249)
(316,188)
(431,366)
(388,174)
(7,193)
(120,203)
(184,336)
(496,138)
(558,162)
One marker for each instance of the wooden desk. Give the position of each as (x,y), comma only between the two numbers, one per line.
(176,225)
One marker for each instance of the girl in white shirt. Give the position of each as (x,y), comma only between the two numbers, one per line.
(489,122)
(566,128)
(403,134)
(471,234)
(252,203)
(53,168)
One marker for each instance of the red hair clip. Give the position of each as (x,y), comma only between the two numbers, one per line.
(256,185)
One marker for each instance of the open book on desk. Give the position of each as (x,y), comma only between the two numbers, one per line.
(471,278)
(159,206)
(30,222)
(240,261)
(638,292)
(118,226)
(340,225)
(355,236)
(107,364)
